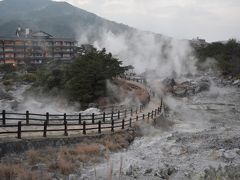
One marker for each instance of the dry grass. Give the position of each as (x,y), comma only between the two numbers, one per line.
(83,158)
(112,146)
(33,156)
(65,166)
(64,160)
(89,149)
(15,171)
(115,142)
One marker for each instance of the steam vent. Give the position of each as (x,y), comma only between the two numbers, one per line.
(35,48)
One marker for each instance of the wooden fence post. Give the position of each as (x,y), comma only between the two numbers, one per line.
(143,116)
(104,115)
(93,118)
(130,122)
(148,115)
(152,114)
(161,104)
(47,117)
(27,117)
(118,114)
(3,117)
(80,118)
(65,124)
(125,113)
(137,118)
(45,129)
(123,122)
(136,110)
(112,127)
(99,127)
(84,127)
(112,116)
(19,130)
(131,112)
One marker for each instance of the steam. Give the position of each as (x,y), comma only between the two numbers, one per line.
(153,56)
(148,52)
(125,98)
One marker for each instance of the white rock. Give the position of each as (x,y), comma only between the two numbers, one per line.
(236,82)
(72,177)
(230,154)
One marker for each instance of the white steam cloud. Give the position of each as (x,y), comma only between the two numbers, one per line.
(147,52)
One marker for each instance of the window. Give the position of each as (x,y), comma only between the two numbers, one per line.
(66,55)
(8,49)
(9,55)
(19,43)
(19,49)
(58,43)
(19,55)
(57,49)
(8,42)
(57,55)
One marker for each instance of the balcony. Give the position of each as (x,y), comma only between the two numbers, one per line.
(66,55)
(19,55)
(19,43)
(39,56)
(57,50)
(10,61)
(48,55)
(58,56)
(9,55)
(19,50)
(67,50)
(8,50)
(57,44)
(48,43)
(8,43)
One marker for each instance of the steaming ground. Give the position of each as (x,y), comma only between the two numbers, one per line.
(200,131)
(18,102)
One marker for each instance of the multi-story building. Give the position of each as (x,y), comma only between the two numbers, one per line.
(198,42)
(35,48)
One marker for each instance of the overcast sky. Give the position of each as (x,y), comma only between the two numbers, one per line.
(210,19)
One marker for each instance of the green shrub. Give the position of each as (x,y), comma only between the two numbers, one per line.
(7,68)
(7,82)
(10,76)
(227,56)
(84,80)
(28,78)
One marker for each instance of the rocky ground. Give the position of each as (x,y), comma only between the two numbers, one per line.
(199,139)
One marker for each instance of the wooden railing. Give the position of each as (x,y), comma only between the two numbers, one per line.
(19,123)
(113,118)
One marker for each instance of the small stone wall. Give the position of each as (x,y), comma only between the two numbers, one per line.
(22,145)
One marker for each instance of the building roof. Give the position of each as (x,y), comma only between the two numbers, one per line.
(34,36)
(41,34)
(35,39)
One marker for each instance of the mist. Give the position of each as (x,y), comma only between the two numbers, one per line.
(147,52)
